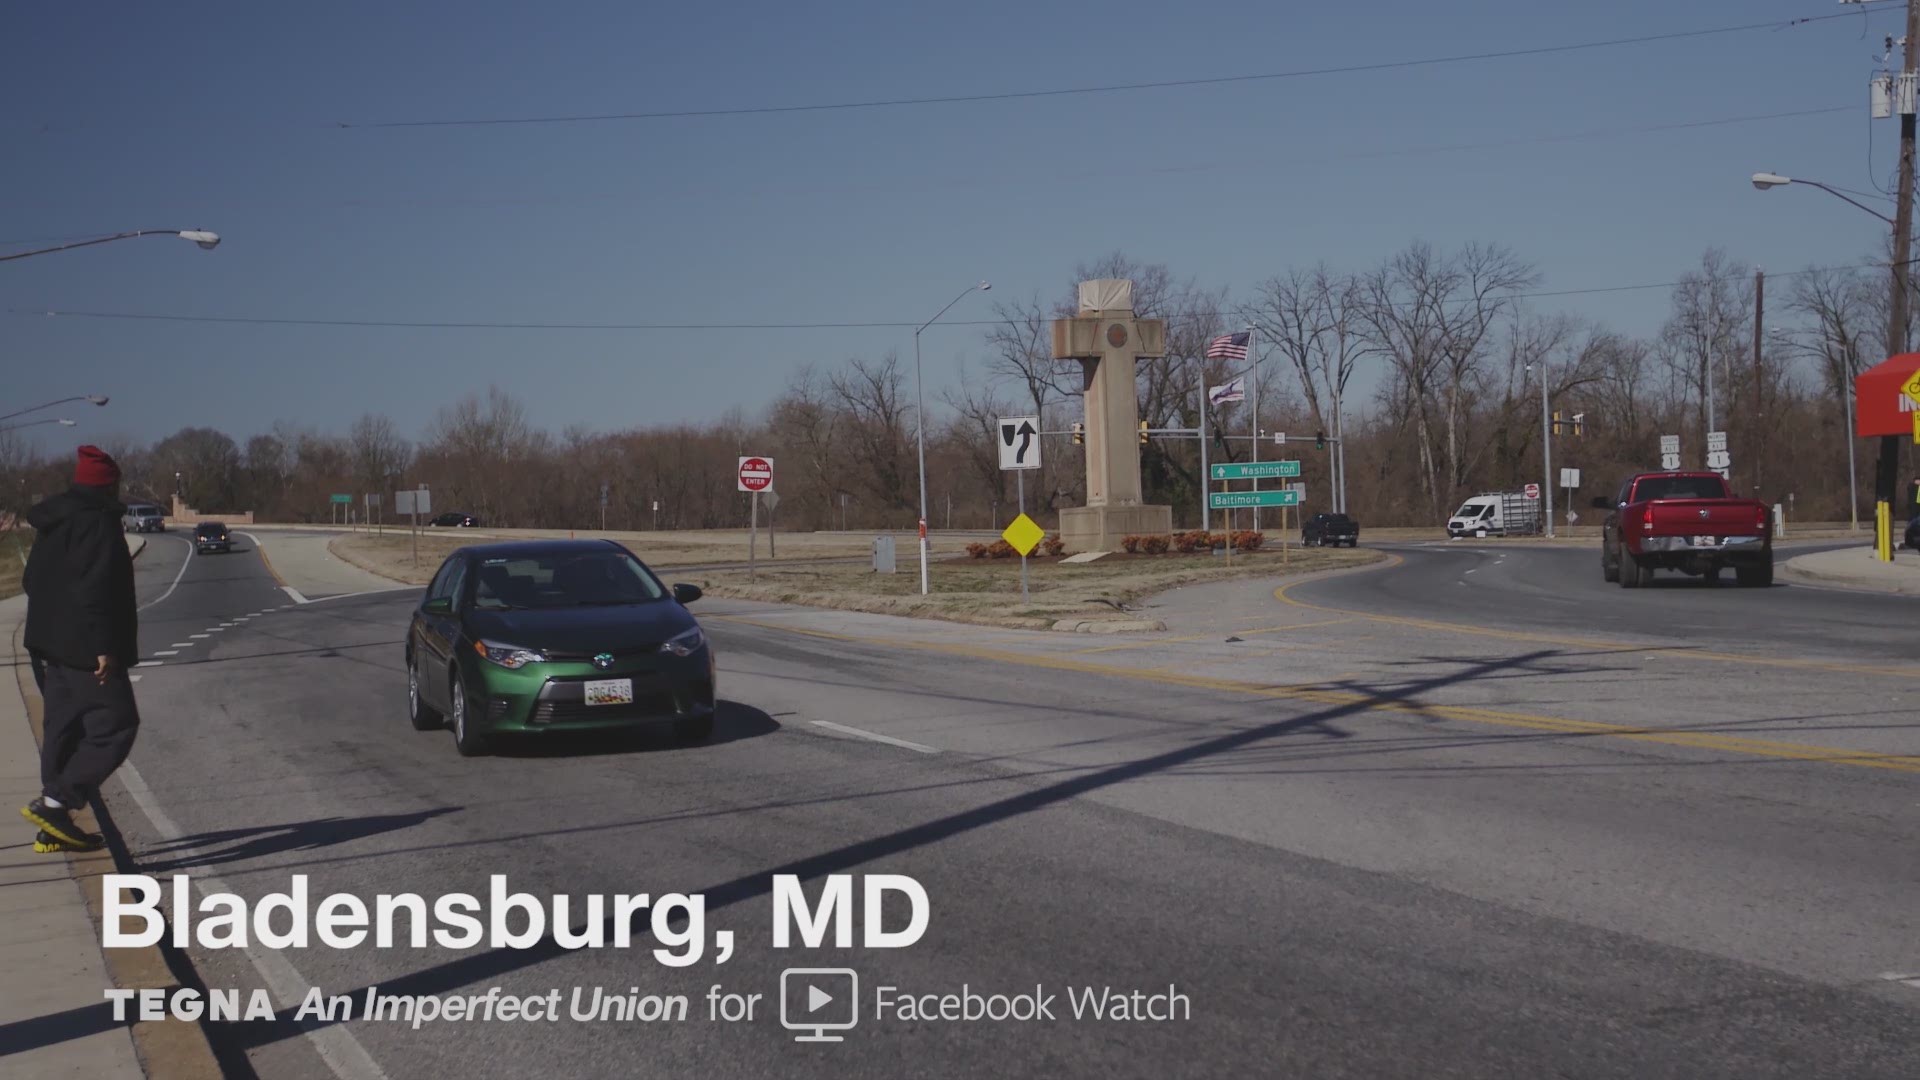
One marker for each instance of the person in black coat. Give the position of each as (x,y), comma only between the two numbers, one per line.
(83,632)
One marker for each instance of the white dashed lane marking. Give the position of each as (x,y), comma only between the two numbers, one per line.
(150,663)
(197,637)
(181,645)
(166,652)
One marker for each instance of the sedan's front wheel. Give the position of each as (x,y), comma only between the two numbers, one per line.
(423,717)
(467,737)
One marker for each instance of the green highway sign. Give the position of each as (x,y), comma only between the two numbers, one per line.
(1229,500)
(1256,470)
(343,499)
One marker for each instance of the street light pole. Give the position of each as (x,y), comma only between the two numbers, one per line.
(62,421)
(920,422)
(207,241)
(95,399)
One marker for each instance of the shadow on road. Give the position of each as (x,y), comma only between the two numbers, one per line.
(207,849)
(732,722)
(479,967)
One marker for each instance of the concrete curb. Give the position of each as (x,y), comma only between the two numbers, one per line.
(1798,569)
(1109,626)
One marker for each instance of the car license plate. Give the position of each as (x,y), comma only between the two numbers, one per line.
(1706,541)
(610,691)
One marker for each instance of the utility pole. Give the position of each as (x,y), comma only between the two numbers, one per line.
(1546,454)
(1887,475)
(1759,393)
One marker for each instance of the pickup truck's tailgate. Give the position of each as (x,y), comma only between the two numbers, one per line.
(1673,517)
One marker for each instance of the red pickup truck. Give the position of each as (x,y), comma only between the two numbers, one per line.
(1684,521)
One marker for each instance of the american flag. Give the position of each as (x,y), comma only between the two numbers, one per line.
(1228,347)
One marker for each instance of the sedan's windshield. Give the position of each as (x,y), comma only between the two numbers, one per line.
(563,579)
(211,530)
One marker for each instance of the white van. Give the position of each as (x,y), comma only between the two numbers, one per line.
(144,518)
(1495,513)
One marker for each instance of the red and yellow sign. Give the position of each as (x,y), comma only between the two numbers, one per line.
(1887,397)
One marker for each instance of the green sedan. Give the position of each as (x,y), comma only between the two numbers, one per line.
(534,637)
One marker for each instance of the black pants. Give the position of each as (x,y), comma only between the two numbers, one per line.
(89,732)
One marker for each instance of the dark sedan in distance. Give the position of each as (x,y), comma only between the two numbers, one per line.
(211,536)
(529,637)
(455,519)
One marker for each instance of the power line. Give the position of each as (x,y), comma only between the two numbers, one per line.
(1164,84)
(423,324)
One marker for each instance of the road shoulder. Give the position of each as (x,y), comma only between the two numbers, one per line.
(58,1022)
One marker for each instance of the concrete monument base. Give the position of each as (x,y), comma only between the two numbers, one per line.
(1099,528)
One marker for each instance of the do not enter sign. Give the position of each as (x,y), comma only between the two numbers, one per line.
(756,474)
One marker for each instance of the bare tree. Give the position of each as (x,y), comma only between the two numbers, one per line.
(1707,335)
(808,426)
(1432,315)
(873,398)
(380,455)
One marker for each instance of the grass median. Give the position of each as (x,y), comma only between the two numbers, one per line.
(987,591)
(391,555)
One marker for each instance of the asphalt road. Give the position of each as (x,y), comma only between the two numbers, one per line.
(1474,815)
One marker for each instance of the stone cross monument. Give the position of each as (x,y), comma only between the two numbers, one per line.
(1108,340)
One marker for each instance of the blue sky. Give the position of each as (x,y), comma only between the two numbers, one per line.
(227,117)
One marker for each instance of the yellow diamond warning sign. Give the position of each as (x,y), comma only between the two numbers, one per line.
(1911,387)
(1024,534)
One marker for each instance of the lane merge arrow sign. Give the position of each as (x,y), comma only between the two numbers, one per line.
(1019,442)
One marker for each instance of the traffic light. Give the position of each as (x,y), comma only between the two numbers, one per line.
(1319,440)
(1579,423)
(1079,433)
(1143,433)
(1556,422)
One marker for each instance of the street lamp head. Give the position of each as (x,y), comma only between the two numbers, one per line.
(64,422)
(97,399)
(1765,180)
(207,240)
(985,285)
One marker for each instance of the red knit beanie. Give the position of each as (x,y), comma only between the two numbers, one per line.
(96,468)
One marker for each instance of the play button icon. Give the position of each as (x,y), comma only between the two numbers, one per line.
(819,1000)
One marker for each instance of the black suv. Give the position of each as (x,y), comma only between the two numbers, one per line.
(1322,530)
(211,536)
(454,519)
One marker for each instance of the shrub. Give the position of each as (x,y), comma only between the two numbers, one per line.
(1131,544)
(1156,544)
(976,551)
(1053,545)
(1248,540)
(1000,549)
(1215,541)
(1186,543)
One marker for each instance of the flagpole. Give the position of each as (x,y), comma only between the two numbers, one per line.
(1200,377)
(1253,389)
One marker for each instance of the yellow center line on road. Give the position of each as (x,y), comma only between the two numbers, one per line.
(1215,636)
(1676,652)
(1317,693)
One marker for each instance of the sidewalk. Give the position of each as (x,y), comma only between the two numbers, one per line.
(1856,568)
(52,1007)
